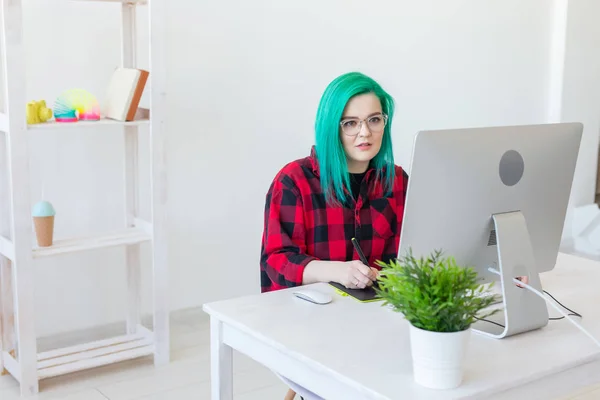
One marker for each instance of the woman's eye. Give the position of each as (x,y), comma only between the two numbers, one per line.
(375,120)
(349,124)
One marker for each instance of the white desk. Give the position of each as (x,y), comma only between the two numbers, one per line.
(349,350)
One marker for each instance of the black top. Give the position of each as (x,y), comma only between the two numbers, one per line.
(355,181)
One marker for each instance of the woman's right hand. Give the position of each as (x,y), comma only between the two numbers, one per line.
(356,275)
(351,274)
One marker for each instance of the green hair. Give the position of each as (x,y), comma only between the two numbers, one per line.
(333,165)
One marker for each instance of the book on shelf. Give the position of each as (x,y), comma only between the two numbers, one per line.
(124,93)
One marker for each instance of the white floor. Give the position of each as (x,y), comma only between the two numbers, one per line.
(187,377)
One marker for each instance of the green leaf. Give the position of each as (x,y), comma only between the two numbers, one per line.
(433,293)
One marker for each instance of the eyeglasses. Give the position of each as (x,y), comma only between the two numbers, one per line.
(375,124)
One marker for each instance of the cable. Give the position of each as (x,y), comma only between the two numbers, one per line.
(491,322)
(573,313)
(559,318)
(581,328)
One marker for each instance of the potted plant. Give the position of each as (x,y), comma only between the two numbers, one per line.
(440,300)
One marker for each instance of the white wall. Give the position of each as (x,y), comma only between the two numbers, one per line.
(245,76)
(580,95)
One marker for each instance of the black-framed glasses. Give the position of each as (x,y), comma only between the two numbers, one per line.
(375,123)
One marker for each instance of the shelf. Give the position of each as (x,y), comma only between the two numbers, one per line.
(11,365)
(7,248)
(17,294)
(113,1)
(94,354)
(131,2)
(85,124)
(120,238)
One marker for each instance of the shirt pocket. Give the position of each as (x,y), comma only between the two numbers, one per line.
(383,217)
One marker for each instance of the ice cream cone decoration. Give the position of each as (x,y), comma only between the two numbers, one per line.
(43,218)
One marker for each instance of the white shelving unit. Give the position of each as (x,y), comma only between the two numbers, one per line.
(19,355)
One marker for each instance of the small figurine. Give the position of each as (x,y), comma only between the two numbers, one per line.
(37,112)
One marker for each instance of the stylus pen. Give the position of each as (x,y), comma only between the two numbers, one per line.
(361,255)
(360,252)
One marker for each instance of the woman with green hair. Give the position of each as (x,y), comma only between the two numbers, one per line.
(348,187)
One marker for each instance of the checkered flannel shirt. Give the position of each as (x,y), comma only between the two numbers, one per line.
(300,227)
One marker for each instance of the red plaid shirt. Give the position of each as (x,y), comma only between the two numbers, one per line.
(300,227)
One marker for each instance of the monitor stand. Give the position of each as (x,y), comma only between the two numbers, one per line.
(523,310)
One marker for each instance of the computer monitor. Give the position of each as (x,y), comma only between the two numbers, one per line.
(494,197)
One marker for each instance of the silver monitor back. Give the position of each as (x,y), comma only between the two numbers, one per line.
(464,181)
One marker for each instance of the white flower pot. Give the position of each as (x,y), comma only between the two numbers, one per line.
(438,357)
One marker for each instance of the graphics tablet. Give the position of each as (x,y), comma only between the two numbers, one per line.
(363,295)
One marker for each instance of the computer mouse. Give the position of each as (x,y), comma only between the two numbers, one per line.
(313,296)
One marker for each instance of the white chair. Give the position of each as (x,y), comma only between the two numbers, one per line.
(297,389)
